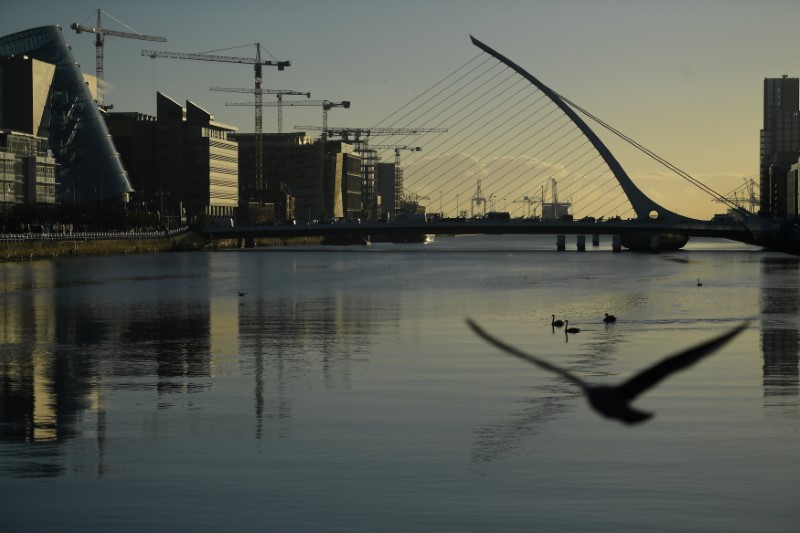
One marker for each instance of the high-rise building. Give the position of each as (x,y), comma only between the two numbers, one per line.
(64,112)
(780,143)
(386,177)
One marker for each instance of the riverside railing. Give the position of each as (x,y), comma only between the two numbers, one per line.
(91,235)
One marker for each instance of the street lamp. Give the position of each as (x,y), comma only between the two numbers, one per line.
(458,207)
(440,203)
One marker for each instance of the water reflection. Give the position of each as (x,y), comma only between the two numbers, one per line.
(69,343)
(780,347)
(73,335)
(289,338)
(780,304)
(550,400)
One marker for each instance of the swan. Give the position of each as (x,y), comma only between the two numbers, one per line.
(556,323)
(613,401)
(609,319)
(571,330)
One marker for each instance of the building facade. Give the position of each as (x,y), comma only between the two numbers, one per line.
(780,144)
(792,192)
(211,165)
(182,162)
(27,171)
(386,178)
(322,180)
(344,178)
(24,89)
(89,169)
(134,135)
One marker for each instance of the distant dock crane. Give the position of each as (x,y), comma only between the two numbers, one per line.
(478,200)
(99,44)
(531,202)
(743,194)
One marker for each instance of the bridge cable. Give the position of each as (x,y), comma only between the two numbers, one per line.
(652,154)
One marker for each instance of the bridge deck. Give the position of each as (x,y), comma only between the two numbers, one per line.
(735,232)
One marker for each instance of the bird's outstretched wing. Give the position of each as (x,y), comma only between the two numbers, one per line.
(651,376)
(524,356)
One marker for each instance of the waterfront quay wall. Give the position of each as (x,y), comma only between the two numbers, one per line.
(24,247)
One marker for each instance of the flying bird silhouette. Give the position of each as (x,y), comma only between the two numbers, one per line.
(614,401)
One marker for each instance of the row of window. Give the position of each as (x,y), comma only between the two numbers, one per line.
(222,157)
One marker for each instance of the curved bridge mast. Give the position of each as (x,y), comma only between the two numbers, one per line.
(641,203)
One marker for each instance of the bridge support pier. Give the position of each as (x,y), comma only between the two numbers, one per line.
(561,243)
(616,243)
(655,243)
(595,240)
(581,243)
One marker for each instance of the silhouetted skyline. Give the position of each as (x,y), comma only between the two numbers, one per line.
(683,79)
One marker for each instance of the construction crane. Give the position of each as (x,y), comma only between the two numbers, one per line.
(279,93)
(413,198)
(398,173)
(396,148)
(326,105)
(99,43)
(257,63)
(358,133)
(368,156)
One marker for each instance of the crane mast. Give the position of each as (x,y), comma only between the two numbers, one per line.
(368,158)
(398,172)
(99,44)
(257,63)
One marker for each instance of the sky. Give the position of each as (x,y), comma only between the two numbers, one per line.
(683,78)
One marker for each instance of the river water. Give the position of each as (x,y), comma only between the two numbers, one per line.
(344,392)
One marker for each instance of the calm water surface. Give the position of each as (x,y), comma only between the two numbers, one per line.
(344,392)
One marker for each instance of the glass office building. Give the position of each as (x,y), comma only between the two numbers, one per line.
(89,169)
